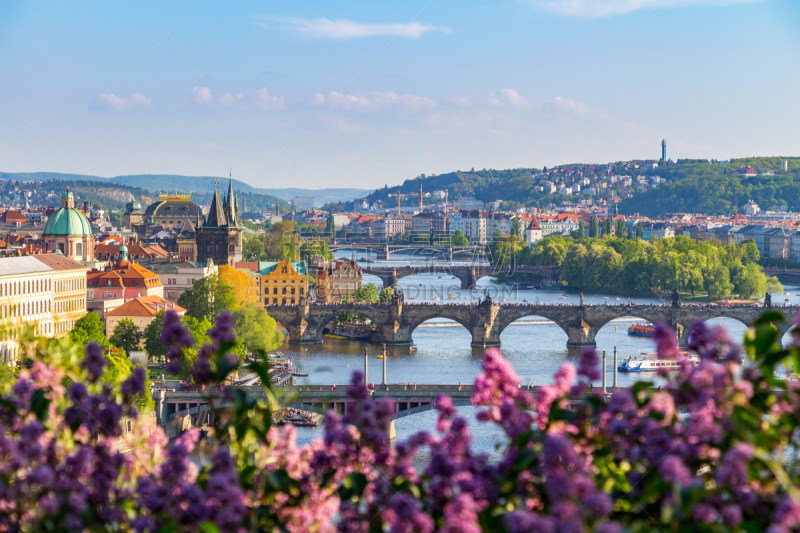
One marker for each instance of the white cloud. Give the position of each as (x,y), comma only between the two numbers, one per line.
(460,101)
(606,8)
(210,145)
(514,99)
(120,103)
(201,94)
(373,100)
(264,100)
(507,97)
(141,100)
(570,106)
(347,29)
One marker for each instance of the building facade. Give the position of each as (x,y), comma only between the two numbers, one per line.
(337,281)
(172,210)
(141,311)
(30,289)
(176,277)
(282,282)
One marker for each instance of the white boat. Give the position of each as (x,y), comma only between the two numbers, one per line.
(651,363)
(616,298)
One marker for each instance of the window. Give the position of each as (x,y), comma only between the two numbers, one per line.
(275,290)
(266,291)
(302,290)
(284,290)
(275,301)
(284,301)
(284,269)
(292,301)
(292,290)
(102,294)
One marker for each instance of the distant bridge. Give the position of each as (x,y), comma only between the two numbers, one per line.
(179,410)
(468,276)
(395,322)
(384,249)
(790,276)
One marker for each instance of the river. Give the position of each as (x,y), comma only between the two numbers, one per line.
(535,347)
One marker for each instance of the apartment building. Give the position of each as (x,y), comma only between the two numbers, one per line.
(46,292)
(471,223)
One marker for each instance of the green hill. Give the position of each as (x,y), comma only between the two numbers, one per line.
(718,189)
(200,186)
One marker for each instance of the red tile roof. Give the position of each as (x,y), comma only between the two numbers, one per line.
(145,306)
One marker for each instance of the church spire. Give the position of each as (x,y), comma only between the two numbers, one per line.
(230,203)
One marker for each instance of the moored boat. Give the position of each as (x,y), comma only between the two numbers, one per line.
(651,362)
(642,330)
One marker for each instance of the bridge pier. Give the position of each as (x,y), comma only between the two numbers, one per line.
(580,334)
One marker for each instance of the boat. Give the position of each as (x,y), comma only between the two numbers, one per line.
(379,357)
(453,294)
(617,298)
(437,298)
(786,294)
(562,297)
(642,330)
(605,297)
(651,362)
(413,348)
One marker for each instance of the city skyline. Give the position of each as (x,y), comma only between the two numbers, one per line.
(361,95)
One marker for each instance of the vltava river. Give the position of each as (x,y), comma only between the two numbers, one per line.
(534,346)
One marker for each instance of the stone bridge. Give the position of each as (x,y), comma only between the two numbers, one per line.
(384,249)
(790,276)
(486,321)
(177,411)
(467,276)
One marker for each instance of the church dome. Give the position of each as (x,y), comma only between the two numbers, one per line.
(67,222)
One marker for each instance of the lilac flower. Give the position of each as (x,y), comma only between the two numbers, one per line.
(222,332)
(93,362)
(134,384)
(674,471)
(666,342)
(173,332)
(522,521)
(589,365)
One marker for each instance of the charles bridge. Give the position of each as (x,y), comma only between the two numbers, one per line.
(467,276)
(396,321)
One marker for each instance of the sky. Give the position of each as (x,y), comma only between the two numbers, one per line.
(364,93)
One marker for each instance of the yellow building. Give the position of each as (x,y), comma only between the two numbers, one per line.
(69,291)
(283,282)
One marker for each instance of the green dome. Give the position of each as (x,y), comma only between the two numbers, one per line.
(67,222)
(67,195)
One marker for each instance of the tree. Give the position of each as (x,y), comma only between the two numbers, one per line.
(750,253)
(516,227)
(459,239)
(330,226)
(581,231)
(152,337)
(366,294)
(619,231)
(254,248)
(639,230)
(607,227)
(256,329)
(386,295)
(126,335)
(245,288)
(207,298)
(717,281)
(593,228)
(89,328)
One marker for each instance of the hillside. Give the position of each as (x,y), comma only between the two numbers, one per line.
(193,184)
(717,189)
(690,186)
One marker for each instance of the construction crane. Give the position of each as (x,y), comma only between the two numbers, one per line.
(400,196)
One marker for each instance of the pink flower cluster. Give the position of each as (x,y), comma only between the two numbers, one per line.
(702,452)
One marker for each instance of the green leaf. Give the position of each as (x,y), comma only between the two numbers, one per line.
(209,527)
(768,318)
(39,404)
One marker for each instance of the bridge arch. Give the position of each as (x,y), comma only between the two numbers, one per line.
(504,324)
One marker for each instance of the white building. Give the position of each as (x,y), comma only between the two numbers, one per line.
(534,233)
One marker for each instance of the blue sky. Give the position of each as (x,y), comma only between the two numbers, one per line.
(366,93)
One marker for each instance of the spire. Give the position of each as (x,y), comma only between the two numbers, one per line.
(230,203)
(216,215)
